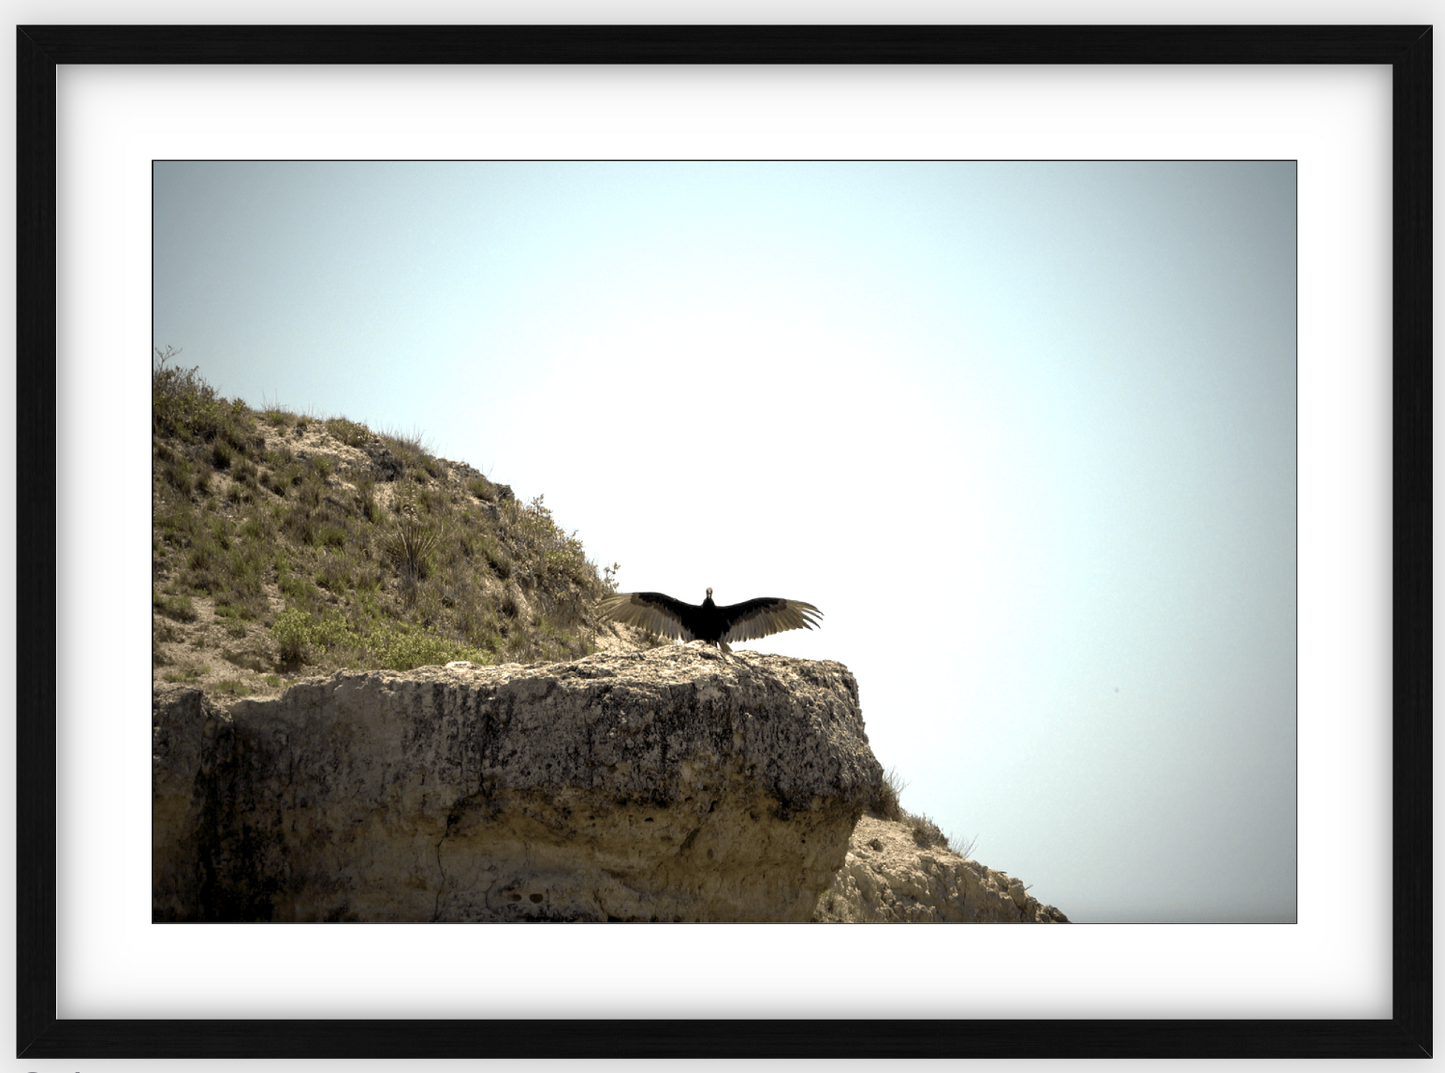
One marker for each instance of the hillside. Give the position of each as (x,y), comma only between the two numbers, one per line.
(286,545)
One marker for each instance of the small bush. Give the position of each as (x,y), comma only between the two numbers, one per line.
(925,832)
(178,475)
(185,407)
(366,499)
(349,432)
(884,801)
(409,546)
(203,556)
(179,608)
(334,576)
(498,559)
(401,648)
(510,605)
(295,588)
(296,632)
(409,447)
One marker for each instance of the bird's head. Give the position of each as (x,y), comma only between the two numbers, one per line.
(709,595)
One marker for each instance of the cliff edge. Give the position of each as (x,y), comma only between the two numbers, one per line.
(671,784)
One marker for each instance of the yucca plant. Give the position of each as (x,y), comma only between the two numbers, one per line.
(407,548)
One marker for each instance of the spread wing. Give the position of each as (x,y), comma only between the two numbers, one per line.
(752,619)
(653,611)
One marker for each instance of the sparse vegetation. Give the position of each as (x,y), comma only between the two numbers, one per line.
(885,805)
(964,848)
(179,608)
(188,673)
(320,562)
(925,832)
(349,432)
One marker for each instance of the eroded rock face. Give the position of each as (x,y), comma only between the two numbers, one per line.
(672,784)
(889,878)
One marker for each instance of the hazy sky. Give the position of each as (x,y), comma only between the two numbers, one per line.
(1025,432)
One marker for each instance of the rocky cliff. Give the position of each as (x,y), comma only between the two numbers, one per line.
(888,877)
(672,784)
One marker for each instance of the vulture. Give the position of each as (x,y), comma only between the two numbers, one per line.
(710,622)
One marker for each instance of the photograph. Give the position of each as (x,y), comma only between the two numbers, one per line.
(1023,431)
(735,478)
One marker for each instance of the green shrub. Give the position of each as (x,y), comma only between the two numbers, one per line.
(178,475)
(334,576)
(185,407)
(349,432)
(408,447)
(296,632)
(399,647)
(366,499)
(409,546)
(295,588)
(498,559)
(884,799)
(203,556)
(179,608)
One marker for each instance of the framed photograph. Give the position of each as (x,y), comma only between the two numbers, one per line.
(97,106)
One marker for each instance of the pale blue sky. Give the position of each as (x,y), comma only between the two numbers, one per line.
(1024,431)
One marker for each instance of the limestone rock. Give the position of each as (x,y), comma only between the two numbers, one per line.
(672,784)
(888,878)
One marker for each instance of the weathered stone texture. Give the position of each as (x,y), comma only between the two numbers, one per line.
(671,784)
(888,878)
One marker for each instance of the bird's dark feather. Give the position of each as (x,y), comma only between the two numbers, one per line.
(714,623)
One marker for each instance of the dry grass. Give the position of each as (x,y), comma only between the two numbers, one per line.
(314,544)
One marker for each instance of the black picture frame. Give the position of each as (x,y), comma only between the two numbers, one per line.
(40,1035)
